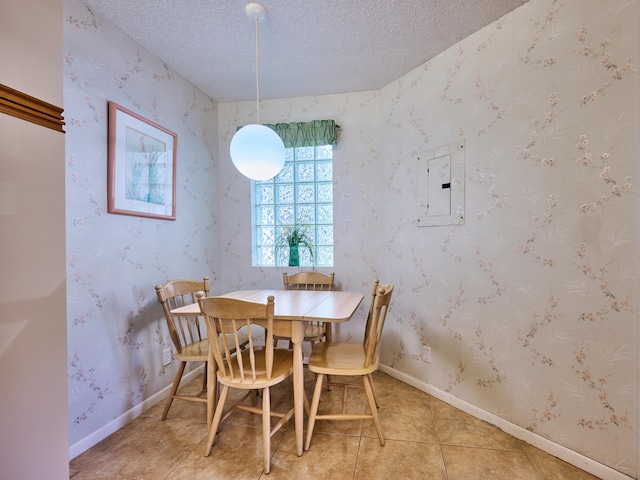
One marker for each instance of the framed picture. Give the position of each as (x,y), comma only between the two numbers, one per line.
(141,177)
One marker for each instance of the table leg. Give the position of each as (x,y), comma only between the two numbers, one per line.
(298,384)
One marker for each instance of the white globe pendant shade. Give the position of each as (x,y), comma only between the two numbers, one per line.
(257,152)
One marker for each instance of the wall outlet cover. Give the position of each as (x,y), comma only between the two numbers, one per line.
(166,357)
(426,353)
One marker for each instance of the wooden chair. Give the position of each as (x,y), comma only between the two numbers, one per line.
(187,334)
(256,368)
(351,359)
(314,331)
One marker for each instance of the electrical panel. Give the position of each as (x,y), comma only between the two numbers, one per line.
(440,191)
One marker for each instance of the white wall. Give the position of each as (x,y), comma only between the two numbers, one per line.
(33,337)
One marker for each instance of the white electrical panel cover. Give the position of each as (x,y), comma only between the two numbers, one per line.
(440,190)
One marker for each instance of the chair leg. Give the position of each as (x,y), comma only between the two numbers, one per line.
(307,406)
(266,429)
(373,407)
(373,389)
(314,409)
(174,389)
(328,332)
(213,428)
(328,337)
(204,378)
(213,390)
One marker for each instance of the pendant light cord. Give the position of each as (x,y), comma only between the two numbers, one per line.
(257,79)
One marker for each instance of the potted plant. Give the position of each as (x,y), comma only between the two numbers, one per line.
(294,236)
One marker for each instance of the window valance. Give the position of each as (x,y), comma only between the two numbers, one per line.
(306,134)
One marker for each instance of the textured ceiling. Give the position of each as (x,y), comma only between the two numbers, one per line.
(306,47)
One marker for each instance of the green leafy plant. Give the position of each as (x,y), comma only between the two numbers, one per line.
(298,234)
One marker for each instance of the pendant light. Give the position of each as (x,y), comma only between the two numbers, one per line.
(257,151)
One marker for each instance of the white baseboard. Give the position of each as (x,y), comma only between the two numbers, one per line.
(585,463)
(99,435)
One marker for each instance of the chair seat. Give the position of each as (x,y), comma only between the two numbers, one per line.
(199,351)
(340,359)
(194,352)
(282,368)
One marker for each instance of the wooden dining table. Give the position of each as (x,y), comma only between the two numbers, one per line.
(297,307)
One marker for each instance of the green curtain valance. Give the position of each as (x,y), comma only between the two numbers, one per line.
(306,134)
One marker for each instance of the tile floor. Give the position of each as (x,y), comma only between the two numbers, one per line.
(425,439)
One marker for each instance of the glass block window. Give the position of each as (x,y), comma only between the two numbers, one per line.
(302,193)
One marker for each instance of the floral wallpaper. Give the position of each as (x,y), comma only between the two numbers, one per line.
(116,329)
(530,307)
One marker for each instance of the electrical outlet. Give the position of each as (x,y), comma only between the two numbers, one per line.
(166,357)
(426,353)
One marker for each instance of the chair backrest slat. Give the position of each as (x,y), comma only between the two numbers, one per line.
(183,329)
(376,320)
(367,327)
(308,281)
(226,316)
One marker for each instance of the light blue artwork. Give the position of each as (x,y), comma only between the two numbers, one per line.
(146,168)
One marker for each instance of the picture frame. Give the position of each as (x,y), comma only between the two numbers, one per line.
(141,176)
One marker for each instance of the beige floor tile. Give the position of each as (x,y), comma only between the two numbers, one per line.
(406,460)
(152,450)
(281,402)
(124,434)
(182,408)
(413,423)
(100,476)
(330,457)
(458,428)
(331,402)
(463,463)
(403,418)
(552,468)
(237,454)
(386,385)
(527,447)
